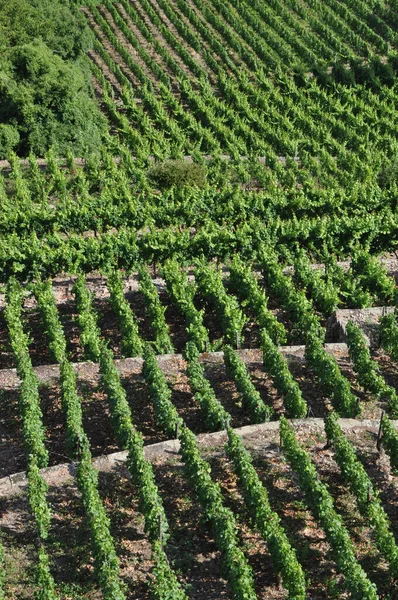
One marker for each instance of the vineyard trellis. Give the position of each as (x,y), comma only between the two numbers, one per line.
(172,310)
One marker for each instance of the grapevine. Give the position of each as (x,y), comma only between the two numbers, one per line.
(236,368)
(366,495)
(275,364)
(321,504)
(367,369)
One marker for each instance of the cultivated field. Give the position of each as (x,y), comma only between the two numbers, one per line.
(210,299)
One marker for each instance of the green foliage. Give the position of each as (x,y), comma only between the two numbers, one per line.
(182,293)
(155,311)
(235,567)
(106,561)
(210,285)
(321,504)
(323,293)
(362,487)
(352,292)
(179,174)
(266,521)
(275,364)
(301,312)
(165,585)
(165,411)
(90,334)
(29,399)
(296,303)
(214,414)
(390,442)
(54,22)
(47,100)
(45,581)
(131,342)
(388,176)
(128,437)
(328,373)
(373,277)
(143,478)
(71,405)
(46,97)
(9,139)
(389,335)
(53,327)
(120,410)
(236,368)
(37,490)
(33,432)
(367,369)
(246,285)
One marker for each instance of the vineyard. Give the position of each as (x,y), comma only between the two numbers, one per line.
(199,321)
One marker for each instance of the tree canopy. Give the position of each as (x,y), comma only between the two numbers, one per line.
(46,97)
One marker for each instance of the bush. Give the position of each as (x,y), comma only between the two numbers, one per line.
(46,100)
(9,139)
(177,173)
(58,24)
(46,96)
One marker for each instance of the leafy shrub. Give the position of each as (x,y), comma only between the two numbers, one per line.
(177,173)
(47,101)
(46,97)
(56,23)
(9,139)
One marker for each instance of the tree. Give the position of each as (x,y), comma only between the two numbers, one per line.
(47,102)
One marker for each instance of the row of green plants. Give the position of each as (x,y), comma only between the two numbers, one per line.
(156,313)
(334,384)
(368,372)
(246,285)
(389,441)
(252,401)
(182,294)
(28,255)
(371,276)
(210,286)
(300,310)
(127,322)
(236,569)
(389,335)
(214,414)
(265,519)
(277,367)
(193,98)
(166,584)
(197,470)
(336,172)
(321,504)
(295,302)
(217,41)
(213,36)
(103,546)
(33,435)
(367,496)
(324,294)
(196,104)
